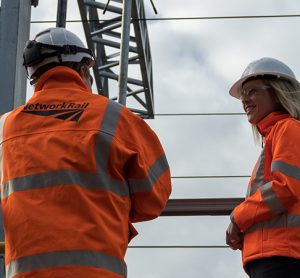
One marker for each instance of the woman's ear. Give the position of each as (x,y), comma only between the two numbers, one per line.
(83,71)
(86,77)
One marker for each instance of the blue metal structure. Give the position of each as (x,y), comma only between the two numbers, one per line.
(14,32)
(15,24)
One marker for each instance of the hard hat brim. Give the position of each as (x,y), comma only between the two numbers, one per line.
(235,88)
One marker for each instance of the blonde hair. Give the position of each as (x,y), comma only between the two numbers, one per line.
(288,94)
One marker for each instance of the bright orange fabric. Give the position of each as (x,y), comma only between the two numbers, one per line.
(270,216)
(40,142)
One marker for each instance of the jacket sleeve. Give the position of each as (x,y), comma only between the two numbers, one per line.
(147,171)
(278,195)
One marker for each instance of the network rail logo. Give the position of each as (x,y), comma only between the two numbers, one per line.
(63,111)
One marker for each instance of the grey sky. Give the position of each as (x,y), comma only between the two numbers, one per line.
(194,64)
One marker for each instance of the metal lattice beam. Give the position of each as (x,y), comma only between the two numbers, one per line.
(104,36)
(61,13)
(189,207)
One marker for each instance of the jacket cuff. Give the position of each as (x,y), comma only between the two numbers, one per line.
(233,220)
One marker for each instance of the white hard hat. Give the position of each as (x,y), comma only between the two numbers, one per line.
(54,45)
(263,67)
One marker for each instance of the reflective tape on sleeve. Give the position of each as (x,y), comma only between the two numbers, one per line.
(111,117)
(286,169)
(99,180)
(64,177)
(271,199)
(259,175)
(282,221)
(66,258)
(159,167)
(2,121)
(107,132)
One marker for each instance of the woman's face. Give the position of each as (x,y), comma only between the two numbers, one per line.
(258,100)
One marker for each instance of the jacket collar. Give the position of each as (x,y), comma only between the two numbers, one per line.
(60,77)
(265,125)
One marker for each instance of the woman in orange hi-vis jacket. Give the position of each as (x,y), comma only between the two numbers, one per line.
(77,170)
(266,226)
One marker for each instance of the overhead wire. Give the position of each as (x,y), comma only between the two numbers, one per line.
(200,114)
(210,177)
(180,18)
(176,246)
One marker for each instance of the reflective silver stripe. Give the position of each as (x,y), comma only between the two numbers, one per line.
(282,221)
(259,176)
(103,147)
(248,191)
(107,132)
(159,167)
(271,199)
(111,117)
(66,258)
(285,168)
(64,177)
(2,121)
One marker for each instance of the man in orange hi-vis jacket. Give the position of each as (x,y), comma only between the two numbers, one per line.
(266,226)
(77,170)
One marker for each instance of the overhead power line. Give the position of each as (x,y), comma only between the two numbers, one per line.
(199,114)
(210,177)
(183,18)
(176,246)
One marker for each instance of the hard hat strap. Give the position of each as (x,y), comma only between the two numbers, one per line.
(33,52)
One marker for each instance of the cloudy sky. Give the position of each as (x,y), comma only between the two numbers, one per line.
(194,63)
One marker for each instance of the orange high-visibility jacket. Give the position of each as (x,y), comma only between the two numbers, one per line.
(77,170)
(270,215)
